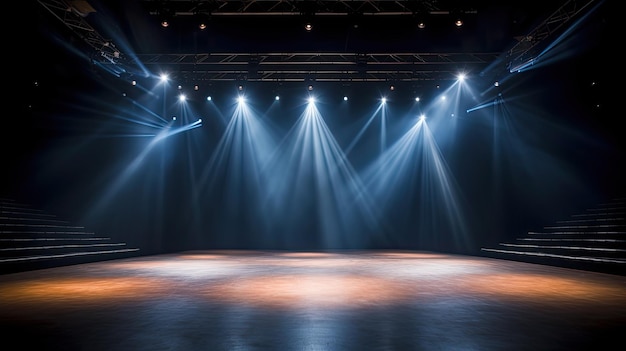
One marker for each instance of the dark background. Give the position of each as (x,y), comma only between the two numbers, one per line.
(561,152)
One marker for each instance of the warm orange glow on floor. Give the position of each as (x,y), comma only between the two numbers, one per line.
(312,300)
(295,280)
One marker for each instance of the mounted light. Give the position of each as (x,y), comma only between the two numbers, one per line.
(165,17)
(202,20)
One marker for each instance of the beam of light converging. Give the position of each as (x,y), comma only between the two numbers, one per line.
(412,182)
(557,50)
(113,120)
(231,182)
(137,163)
(362,131)
(496,101)
(315,198)
(141,163)
(523,139)
(383,126)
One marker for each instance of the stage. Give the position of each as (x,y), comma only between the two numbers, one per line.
(332,300)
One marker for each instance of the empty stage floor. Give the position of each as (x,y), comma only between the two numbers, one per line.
(283,300)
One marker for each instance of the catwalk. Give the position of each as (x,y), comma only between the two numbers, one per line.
(335,300)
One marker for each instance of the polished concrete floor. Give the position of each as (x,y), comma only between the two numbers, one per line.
(345,300)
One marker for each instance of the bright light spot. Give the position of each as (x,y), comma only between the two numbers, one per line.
(199,120)
(164,77)
(422,117)
(417,99)
(182,97)
(443,97)
(208,98)
(311,100)
(173,118)
(497,84)
(277,98)
(345,98)
(461,77)
(383,100)
(241,100)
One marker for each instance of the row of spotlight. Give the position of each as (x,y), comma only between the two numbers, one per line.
(241,99)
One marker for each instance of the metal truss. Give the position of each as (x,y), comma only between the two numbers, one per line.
(324,66)
(73,17)
(295,66)
(294,7)
(524,52)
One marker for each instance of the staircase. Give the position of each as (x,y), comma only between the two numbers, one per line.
(594,240)
(32,239)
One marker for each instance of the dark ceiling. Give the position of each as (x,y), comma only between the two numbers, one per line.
(264,40)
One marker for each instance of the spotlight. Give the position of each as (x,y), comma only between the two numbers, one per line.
(277,98)
(196,87)
(458,22)
(420,17)
(307,12)
(165,16)
(310,87)
(202,20)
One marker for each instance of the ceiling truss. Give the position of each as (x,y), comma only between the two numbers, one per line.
(295,7)
(318,66)
(323,66)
